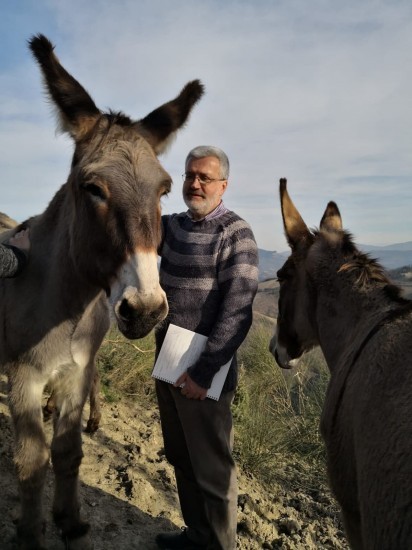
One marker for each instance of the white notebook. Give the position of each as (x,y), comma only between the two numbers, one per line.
(180,349)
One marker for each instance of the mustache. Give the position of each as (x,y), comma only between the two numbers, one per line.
(194,194)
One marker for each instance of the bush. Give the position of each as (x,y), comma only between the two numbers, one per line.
(277,412)
(125,366)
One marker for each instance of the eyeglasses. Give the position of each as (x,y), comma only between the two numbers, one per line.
(189,177)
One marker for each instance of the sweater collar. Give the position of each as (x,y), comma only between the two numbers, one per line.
(218,211)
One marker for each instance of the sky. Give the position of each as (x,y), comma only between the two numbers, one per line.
(319,92)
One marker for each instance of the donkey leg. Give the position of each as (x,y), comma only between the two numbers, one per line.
(95,411)
(66,451)
(353,531)
(31,457)
(49,407)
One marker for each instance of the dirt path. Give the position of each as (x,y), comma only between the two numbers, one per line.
(128,493)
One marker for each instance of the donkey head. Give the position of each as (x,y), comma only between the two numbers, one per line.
(296,330)
(112,196)
(6,222)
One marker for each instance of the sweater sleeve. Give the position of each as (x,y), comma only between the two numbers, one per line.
(12,260)
(237,273)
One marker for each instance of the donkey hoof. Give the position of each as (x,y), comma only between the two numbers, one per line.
(29,540)
(92,426)
(78,538)
(83,543)
(80,543)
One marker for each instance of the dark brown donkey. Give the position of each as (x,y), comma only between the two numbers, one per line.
(97,238)
(334,296)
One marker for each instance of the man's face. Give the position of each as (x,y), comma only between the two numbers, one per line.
(202,196)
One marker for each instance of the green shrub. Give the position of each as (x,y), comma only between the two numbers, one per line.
(277,412)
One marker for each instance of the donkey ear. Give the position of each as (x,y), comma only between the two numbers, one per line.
(160,126)
(295,228)
(331,219)
(76,110)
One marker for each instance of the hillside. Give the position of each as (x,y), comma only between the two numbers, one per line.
(268,291)
(391,257)
(127,487)
(266,298)
(128,493)
(269,263)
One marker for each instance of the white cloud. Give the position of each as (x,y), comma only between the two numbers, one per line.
(318,92)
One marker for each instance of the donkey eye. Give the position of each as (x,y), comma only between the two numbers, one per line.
(95,191)
(166,188)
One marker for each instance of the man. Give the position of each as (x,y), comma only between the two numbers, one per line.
(13,256)
(209,273)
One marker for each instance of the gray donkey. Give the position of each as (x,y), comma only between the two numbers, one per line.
(97,238)
(95,414)
(6,222)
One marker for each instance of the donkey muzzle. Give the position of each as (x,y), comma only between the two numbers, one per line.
(136,321)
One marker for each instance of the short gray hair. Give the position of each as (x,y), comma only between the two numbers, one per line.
(202,151)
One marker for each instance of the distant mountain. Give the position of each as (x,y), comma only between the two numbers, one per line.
(390,256)
(269,263)
(404,247)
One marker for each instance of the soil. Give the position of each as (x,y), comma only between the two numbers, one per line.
(128,493)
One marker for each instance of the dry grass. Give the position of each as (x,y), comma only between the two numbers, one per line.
(276,412)
(126,365)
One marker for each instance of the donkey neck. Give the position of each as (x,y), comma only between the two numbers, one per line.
(346,314)
(52,259)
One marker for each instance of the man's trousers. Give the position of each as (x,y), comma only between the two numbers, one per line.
(198,439)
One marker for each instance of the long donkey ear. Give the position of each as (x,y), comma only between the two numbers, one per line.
(160,126)
(295,228)
(331,219)
(76,110)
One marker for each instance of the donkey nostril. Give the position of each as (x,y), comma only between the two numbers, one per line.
(125,311)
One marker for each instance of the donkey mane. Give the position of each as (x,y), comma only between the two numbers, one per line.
(366,269)
(117,117)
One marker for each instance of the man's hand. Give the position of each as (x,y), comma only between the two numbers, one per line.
(189,388)
(21,240)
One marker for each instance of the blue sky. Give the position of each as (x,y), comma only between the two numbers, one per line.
(316,91)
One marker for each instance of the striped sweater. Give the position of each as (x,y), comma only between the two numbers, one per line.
(209,271)
(12,260)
